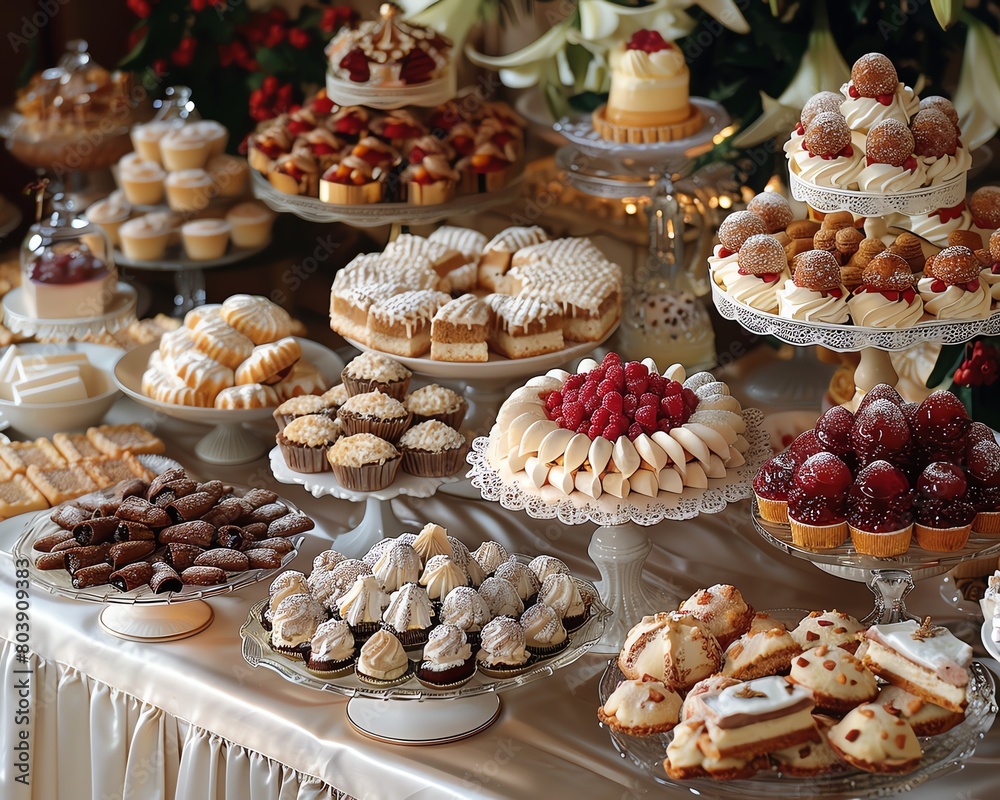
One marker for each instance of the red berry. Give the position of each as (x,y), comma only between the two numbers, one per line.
(553,401)
(573,413)
(637,386)
(690,399)
(882,391)
(573,382)
(594,430)
(613,402)
(616,375)
(611,358)
(605,387)
(774,478)
(561,422)
(805,445)
(597,374)
(634,431)
(635,369)
(942,481)
(649,399)
(673,406)
(671,388)
(880,431)
(591,404)
(983,460)
(941,418)
(646,416)
(611,432)
(601,417)
(880,499)
(589,390)
(630,404)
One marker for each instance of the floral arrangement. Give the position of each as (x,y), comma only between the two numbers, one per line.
(973,371)
(243,63)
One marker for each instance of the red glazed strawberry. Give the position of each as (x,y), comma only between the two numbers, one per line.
(774,478)
(356,64)
(880,432)
(941,499)
(819,490)
(881,391)
(833,431)
(805,445)
(941,427)
(880,500)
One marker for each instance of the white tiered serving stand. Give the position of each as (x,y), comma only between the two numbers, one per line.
(228,442)
(379,521)
(119,313)
(411,714)
(139,615)
(620,545)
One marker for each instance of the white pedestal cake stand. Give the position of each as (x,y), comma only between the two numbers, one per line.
(619,546)
(119,313)
(380,521)
(229,442)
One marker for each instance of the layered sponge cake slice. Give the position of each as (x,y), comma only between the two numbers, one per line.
(401,324)
(459,330)
(524,326)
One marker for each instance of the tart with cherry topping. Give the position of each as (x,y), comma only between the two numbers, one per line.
(817,502)
(880,511)
(771,485)
(944,515)
(983,465)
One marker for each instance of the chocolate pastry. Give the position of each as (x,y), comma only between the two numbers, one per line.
(68,544)
(196,532)
(129,531)
(203,576)
(190,507)
(181,556)
(229,560)
(96,530)
(135,509)
(225,512)
(164,498)
(290,524)
(229,537)
(131,576)
(163,479)
(133,487)
(94,575)
(97,504)
(51,561)
(256,498)
(267,513)
(263,558)
(69,516)
(124,553)
(254,530)
(214,488)
(44,544)
(278,544)
(81,557)
(173,490)
(165,579)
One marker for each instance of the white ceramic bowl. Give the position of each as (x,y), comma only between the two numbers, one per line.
(45,419)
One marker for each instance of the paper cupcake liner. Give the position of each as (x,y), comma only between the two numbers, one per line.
(941,540)
(410,639)
(574,623)
(282,420)
(470,671)
(388,429)
(881,545)
(385,683)
(346,667)
(505,670)
(775,511)
(366,478)
(426,464)
(303,458)
(987,523)
(453,419)
(547,652)
(818,537)
(300,653)
(396,389)
(363,631)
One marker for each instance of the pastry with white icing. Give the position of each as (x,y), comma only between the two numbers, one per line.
(641,708)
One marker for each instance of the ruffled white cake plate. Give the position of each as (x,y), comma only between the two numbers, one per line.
(620,545)
(877,204)
(119,313)
(229,442)
(379,521)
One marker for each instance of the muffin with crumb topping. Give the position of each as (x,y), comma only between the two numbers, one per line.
(303,442)
(376,413)
(371,372)
(433,450)
(363,462)
(437,403)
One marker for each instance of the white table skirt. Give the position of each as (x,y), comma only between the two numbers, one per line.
(192,719)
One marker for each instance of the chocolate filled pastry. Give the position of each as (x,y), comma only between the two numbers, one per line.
(44,544)
(181,556)
(220,557)
(165,579)
(123,553)
(263,558)
(129,531)
(256,498)
(69,516)
(278,544)
(48,561)
(131,576)
(225,512)
(196,532)
(163,479)
(68,544)
(134,487)
(267,513)
(253,531)
(136,509)
(229,537)
(190,507)
(82,557)
(214,488)
(203,576)
(96,530)
(290,524)
(94,575)
(164,498)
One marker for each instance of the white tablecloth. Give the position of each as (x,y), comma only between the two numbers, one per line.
(190,719)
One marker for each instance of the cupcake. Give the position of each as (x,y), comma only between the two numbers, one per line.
(396,565)
(327,560)
(284,585)
(524,581)
(762,268)
(330,585)
(441,574)
(464,559)
(983,459)
(815,292)
(189,190)
(146,138)
(465,608)
(887,297)
(352,182)
(361,606)
(431,182)
(382,661)
(433,402)
(250,224)
(432,449)
(501,598)
(333,399)
(944,516)
(891,165)
(110,213)
(141,181)
(408,615)
(952,287)
(331,651)
(375,372)
(145,238)
(205,239)
(375,413)
(298,406)
(305,440)
(295,173)
(363,462)
(293,624)
(881,511)
(561,593)
(490,555)
(817,502)
(544,633)
(230,174)
(503,653)
(448,661)
(771,485)
(183,148)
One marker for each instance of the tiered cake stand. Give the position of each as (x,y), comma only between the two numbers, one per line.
(620,545)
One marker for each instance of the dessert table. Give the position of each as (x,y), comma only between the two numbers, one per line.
(112,718)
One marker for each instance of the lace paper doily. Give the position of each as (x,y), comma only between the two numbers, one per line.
(873,204)
(850,338)
(577,508)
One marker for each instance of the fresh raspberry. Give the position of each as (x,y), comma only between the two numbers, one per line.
(612,432)
(597,374)
(553,401)
(357,67)
(616,375)
(570,395)
(573,413)
(882,391)
(613,402)
(594,430)
(601,417)
(690,400)
(573,382)
(589,390)
(657,383)
(673,407)
(611,358)
(637,386)
(649,399)
(646,416)
(671,388)
(417,67)
(561,422)
(635,369)
(591,404)
(605,387)
(665,425)
(630,404)
(584,426)
(634,431)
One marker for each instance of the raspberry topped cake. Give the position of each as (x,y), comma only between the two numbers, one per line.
(620,429)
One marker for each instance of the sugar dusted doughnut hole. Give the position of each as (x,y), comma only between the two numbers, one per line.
(737,228)
(955,265)
(873,75)
(889,142)
(762,255)
(889,272)
(819,103)
(934,135)
(773,209)
(817,270)
(985,207)
(942,104)
(995,245)
(828,134)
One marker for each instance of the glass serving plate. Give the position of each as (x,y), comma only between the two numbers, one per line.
(944,753)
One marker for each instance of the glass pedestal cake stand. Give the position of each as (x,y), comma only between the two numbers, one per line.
(411,714)
(620,545)
(229,442)
(874,344)
(140,615)
(119,313)
(379,521)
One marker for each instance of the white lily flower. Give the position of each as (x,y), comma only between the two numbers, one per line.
(977,98)
(453,18)
(822,67)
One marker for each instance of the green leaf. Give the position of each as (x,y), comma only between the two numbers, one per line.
(947,12)
(948,360)
(273,61)
(133,58)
